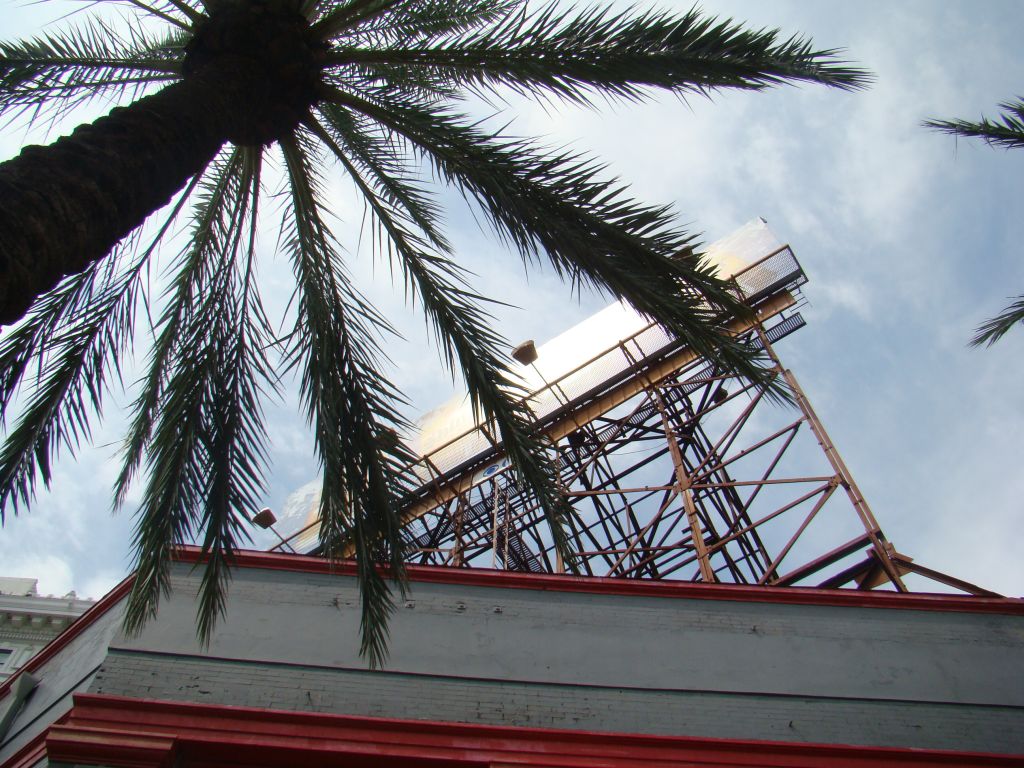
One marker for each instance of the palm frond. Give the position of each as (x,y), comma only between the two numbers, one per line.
(197,265)
(617,54)
(467,342)
(56,312)
(28,341)
(352,407)
(409,22)
(169,11)
(71,383)
(193,11)
(53,74)
(71,337)
(993,329)
(1007,131)
(383,160)
(342,17)
(199,421)
(236,437)
(555,205)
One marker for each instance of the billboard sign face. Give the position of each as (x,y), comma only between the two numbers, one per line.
(607,345)
(586,354)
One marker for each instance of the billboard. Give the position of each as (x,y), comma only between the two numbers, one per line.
(600,349)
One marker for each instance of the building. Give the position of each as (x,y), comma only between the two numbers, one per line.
(28,620)
(736,607)
(499,669)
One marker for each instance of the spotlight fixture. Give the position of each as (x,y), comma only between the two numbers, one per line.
(525,353)
(264,518)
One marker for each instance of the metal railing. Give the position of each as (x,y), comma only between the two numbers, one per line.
(474,452)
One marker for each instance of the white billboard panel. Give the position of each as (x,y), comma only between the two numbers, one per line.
(593,345)
(591,354)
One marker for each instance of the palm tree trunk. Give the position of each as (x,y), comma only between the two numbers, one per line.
(68,204)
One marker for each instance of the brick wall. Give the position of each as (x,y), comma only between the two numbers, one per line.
(299,688)
(698,667)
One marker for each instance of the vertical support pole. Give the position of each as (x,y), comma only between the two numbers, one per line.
(707,573)
(880,546)
(494,524)
(505,513)
(457,550)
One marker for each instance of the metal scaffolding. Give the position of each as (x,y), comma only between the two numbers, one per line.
(674,469)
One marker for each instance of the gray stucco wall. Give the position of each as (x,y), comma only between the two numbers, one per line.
(595,661)
(70,670)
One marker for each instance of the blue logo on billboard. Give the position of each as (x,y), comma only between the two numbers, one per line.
(494,468)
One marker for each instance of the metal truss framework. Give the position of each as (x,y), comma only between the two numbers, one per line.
(674,470)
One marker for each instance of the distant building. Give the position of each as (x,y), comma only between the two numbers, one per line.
(28,620)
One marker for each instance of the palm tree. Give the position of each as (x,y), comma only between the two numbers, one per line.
(1006,132)
(370,87)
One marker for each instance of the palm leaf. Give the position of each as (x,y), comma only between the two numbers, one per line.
(555,206)
(236,437)
(992,330)
(53,74)
(170,11)
(202,422)
(414,21)
(386,163)
(335,18)
(618,54)
(1006,132)
(72,336)
(71,383)
(197,265)
(353,409)
(463,333)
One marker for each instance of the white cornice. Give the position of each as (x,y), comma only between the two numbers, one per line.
(34,617)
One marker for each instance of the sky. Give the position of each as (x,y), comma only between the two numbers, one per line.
(910,239)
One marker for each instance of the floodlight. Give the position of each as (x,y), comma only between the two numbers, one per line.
(525,353)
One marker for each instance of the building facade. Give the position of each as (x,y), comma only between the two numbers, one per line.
(494,669)
(28,620)
(725,616)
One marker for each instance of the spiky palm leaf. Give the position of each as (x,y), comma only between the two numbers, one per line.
(1006,132)
(993,329)
(371,86)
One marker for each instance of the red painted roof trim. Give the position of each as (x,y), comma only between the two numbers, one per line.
(118,730)
(33,750)
(29,755)
(479,577)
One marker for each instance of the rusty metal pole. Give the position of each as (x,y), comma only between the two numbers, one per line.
(457,549)
(881,547)
(707,573)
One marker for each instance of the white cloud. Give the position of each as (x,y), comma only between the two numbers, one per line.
(53,573)
(909,238)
